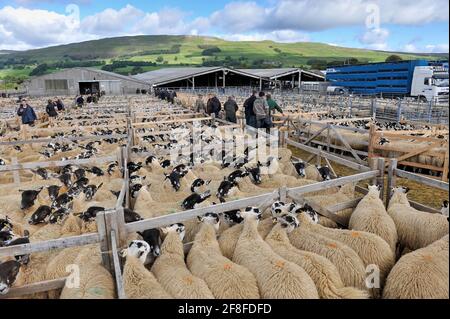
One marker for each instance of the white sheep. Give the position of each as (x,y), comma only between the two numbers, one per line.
(324,274)
(95,282)
(372,250)
(415,229)
(349,264)
(229,238)
(225,279)
(371,216)
(138,282)
(171,271)
(421,274)
(277,278)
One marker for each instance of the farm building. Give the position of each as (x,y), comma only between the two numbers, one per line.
(226,77)
(80,80)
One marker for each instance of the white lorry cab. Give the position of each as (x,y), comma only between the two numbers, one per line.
(430,83)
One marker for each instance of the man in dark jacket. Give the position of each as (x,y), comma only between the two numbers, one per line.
(213,106)
(80,101)
(230,108)
(27,113)
(250,116)
(51,109)
(60,105)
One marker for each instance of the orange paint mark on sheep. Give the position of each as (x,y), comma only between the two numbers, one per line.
(188,280)
(280,264)
(332,245)
(355,234)
(227,266)
(427,257)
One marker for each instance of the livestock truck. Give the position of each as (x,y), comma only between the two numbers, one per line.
(420,79)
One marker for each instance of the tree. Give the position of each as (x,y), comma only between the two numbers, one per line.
(39,70)
(352,61)
(160,59)
(137,70)
(394,58)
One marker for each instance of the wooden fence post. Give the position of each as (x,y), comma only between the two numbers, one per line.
(16,173)
(105,242)
(380,179)
(446,163)
(373,164)
(391,181)
(319,157)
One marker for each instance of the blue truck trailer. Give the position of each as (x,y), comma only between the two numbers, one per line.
(424,80)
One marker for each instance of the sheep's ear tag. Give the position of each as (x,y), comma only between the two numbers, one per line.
(123,253)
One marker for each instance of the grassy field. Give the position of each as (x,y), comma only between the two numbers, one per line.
(149,48)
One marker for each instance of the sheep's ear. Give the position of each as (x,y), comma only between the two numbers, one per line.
(123,253)
(274,220)
(164,230)
(199,219)
(379,187)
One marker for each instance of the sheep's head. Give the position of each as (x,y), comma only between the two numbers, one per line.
(278,208)
(233,217)
(287,221)
(210,218)
(8,274)
(252,213)
(137,248)
(401,189)
(179,228)
(374,189)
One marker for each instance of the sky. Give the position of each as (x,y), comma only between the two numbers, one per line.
(392,25)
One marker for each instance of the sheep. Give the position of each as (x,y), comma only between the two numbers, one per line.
(9,270)
(95,282)
(372,250)
(422,274)
(324,274)
(229,238)
(171,271)
(415,229)
(371,216)
(138,282)
(344,194)
(225,279)
(277,278)
(349,264)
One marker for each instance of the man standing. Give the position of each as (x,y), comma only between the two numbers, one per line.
(250,116)
(80,101)
(200,105)
(230,108)
(273,105)
(27,113)
(60,105)
(261,109)
(213,105)
(51,109)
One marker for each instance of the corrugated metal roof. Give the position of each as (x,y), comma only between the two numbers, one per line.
(168,75)
(112,74)
(173,74)
(269,73)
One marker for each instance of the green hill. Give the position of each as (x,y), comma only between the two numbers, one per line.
(136,53)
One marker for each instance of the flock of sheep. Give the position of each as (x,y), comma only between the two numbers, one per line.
(278,250)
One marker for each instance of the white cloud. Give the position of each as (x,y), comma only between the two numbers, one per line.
(280,20)
(375,39)
(437,48)
(111,21)
(316,15)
